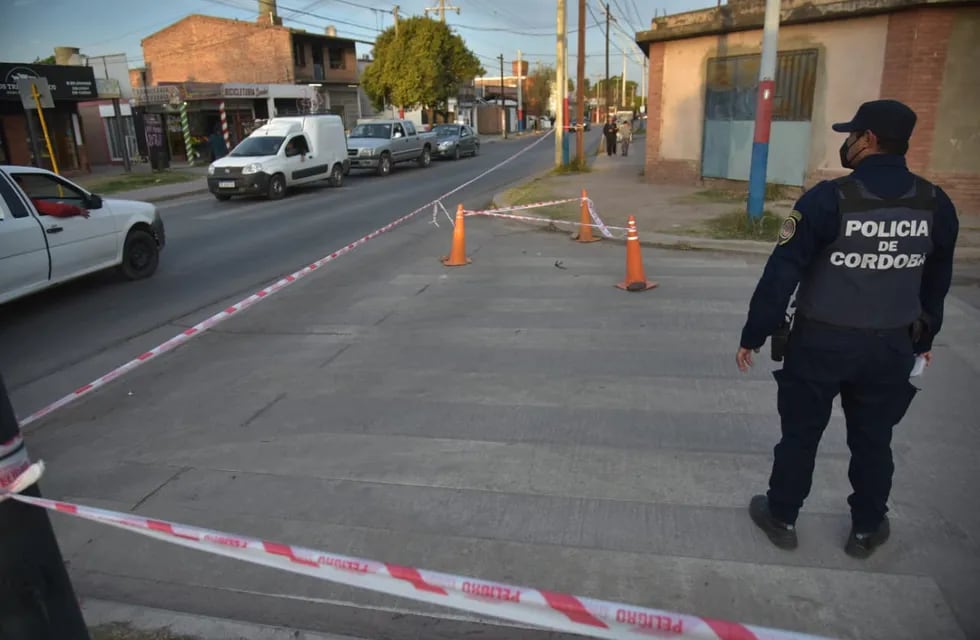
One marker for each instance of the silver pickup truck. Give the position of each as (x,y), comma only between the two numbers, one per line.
(379,144)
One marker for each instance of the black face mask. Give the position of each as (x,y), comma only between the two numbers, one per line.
(845,150)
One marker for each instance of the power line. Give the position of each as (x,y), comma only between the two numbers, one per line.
(299,11)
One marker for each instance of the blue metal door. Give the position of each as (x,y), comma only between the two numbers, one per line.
(729,117)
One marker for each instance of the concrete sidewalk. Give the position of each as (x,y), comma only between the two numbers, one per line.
(518,419)
(674,216)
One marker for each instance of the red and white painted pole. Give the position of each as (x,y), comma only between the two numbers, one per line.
(224,125)
(763,111)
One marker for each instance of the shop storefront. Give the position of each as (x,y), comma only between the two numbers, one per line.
(244,105)
(69,85)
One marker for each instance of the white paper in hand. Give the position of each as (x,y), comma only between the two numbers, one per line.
(918,367)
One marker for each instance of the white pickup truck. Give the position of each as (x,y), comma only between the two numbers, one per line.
(38,251)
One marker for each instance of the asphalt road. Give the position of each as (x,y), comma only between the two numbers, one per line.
(218,253)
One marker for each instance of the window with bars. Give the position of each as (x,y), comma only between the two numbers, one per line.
(733,85)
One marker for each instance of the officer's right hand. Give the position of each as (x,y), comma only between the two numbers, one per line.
(744,358)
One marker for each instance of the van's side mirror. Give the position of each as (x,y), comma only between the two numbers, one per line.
(93,201)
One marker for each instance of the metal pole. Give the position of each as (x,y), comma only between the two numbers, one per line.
(607,96)
(503,107)
(561,86)
(520,93)
(580,89)
(763,111)
(37,601)
(44,127)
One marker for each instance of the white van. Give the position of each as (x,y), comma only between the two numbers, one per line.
(284,152)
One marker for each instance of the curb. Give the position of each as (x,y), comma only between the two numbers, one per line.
(139,619)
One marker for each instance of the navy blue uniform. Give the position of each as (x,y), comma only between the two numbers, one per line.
(867,365)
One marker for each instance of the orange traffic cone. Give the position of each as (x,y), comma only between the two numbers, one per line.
(636,279)
(585,229)
(457,257)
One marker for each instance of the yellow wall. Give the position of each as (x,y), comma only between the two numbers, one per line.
(849,69)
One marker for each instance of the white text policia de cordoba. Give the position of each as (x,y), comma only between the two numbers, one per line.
(882,229)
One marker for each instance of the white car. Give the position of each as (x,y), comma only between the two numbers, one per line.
(38,251)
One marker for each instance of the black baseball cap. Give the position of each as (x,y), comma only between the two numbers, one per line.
(888,119)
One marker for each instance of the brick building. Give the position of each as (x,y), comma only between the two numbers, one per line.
(832,55)
(207,49)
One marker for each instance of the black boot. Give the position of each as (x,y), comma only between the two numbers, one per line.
(780,534)
(862,545)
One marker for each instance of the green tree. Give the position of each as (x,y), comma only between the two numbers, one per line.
(423,65)
(616,91)
(539,89)
(48,60)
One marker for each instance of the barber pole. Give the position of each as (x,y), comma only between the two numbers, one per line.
(186,128)
(224,125)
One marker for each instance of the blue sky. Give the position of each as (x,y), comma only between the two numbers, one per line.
(32,28)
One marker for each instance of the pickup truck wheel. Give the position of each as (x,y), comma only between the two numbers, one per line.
(426,158)
(337,176)
(384,164)
(140,255)
(277,187)
(456,153)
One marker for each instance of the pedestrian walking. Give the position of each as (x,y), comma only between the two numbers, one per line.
(609,132)
(872,253)
(626,136)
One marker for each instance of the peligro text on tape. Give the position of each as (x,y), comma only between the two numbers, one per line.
(240,306)
(559,611)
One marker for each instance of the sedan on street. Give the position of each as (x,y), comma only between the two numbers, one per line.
(454,141)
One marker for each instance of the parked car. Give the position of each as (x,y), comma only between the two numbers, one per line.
(285,152)
(455,140)
(574,123)
(380,144)
(38,251)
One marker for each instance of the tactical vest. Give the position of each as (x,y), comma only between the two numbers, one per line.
(870,276)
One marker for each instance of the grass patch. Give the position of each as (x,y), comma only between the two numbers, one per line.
(535,191)
(118,631)
(129,182)
(574,166)
(737,225)
(774,192)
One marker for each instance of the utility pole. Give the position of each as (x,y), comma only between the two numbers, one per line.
(441,10)
(623,102)
(608,97)
(37,601)
(580,90)
(763,111)
(561,87)
(503,108)
(395,12)
(520,93)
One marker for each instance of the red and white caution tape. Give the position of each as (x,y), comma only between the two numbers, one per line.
(234,309)
(559,611)
(507,212)
(495,213)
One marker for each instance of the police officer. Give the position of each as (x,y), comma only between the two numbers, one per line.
(872,253)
